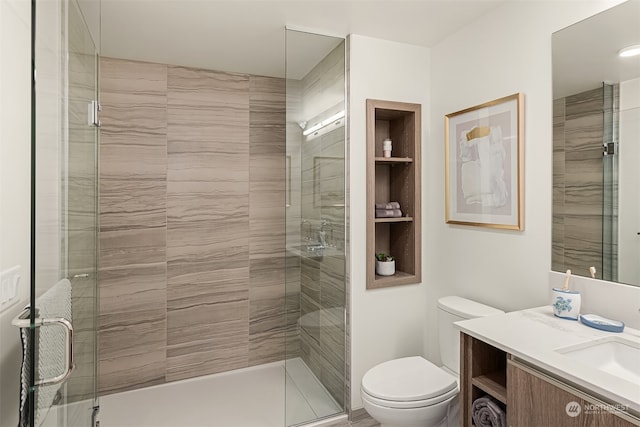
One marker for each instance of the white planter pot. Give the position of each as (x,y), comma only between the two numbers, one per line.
(385,268)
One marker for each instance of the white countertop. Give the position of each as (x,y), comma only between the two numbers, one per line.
(533,335)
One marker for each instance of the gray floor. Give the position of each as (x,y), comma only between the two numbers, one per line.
(359,418)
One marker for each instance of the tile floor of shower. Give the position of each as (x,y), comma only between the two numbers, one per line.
(250,397)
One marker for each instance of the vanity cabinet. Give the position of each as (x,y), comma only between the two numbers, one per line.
(537,399)
(394,179)
(529,397)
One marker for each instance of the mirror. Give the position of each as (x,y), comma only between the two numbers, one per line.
(596,146)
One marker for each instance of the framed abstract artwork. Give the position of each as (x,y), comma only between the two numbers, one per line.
(484,162)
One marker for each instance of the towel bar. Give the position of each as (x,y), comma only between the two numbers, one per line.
(22,321)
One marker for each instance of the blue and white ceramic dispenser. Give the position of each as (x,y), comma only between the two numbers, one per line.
(565,302)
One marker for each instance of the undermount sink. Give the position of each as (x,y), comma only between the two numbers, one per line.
(616,356)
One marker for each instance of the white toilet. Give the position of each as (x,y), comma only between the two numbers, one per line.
(413,392)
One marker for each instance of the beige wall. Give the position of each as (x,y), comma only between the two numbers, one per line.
(192,223)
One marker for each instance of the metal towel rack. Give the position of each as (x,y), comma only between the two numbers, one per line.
(22,320)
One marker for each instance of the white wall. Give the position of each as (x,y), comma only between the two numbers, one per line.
(504,52)
(629,191)
(385,323)
(14,186)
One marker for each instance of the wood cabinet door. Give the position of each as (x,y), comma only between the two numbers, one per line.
(536,400)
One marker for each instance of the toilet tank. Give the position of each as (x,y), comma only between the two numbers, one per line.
(452,309)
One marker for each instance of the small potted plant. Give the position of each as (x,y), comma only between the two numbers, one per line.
(385,264)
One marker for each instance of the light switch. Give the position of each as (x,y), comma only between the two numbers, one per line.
(9,287)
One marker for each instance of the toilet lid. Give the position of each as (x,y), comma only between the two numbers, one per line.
(406,379)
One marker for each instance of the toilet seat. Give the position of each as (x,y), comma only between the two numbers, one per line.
(409,382)
(412,404)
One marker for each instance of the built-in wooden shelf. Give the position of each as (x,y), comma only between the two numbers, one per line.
(393,160)
(483,372)
(394,179)
(400,278)
(400,219)
(493,383)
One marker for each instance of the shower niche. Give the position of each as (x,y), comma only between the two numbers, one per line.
(394,178)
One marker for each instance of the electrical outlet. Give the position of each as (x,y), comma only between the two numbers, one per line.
(9,287)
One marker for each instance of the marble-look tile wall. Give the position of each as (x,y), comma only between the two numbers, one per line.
(133,225)
(577,182)
(268,324)
(192,223)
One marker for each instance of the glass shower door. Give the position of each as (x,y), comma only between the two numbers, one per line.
(63,341)
(81,214)
(315,227)
(610,181)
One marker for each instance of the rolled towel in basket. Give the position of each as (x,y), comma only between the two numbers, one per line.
(388,213)
(390,205)
(487,413)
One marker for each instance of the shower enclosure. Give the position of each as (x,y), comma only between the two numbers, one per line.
(247,273)
(222,227)
(315,224)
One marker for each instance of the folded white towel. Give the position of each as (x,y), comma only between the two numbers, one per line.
(390,205)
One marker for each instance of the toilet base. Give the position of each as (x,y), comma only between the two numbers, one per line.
(442,424)
(431,416)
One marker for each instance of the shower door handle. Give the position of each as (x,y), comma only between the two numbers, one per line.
(22,321)
(69,365)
